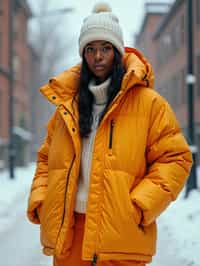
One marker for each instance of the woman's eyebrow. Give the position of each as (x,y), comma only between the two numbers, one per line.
(104,43)
(94,45)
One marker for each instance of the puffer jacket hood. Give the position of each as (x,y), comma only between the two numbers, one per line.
(138,73)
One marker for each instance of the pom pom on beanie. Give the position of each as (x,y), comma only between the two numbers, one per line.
(101,7)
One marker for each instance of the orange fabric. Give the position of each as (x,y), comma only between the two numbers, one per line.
(132,180)
(75,256)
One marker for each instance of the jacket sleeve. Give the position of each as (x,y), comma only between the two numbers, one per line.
(40,180)
(168,163)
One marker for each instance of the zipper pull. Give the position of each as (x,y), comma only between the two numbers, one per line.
(94,260)
(111,134)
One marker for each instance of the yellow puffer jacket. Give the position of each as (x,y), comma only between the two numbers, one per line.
(140,163)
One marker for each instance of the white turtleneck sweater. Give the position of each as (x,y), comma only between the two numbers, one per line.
(100,97)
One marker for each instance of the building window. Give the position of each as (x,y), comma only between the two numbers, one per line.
(1,11)
(175,38)
(1,47)
(182,22)
(16,27)
(183,86)
(159,55)
(1,111)
(197,12)
(176,91)
(177,34)
(198,142)
(168,91)
(163,49)
(198,75)
(16,66)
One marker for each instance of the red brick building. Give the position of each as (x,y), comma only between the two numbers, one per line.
(21,91)
(144,39)
(167,50)
(4,75)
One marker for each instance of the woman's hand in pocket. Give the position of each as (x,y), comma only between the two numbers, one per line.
(137,212)
(38,211)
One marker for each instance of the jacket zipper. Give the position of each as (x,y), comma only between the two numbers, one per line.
(111,134)
(68,175)
(94,260)
(95,257)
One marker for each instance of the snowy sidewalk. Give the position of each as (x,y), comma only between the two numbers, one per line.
(178,227)
(12,192)
(179,234)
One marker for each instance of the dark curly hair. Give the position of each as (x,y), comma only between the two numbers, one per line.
(86,98)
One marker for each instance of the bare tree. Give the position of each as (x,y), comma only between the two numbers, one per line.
(47,40)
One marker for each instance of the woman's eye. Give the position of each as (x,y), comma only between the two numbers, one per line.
(106,49)
(89,50)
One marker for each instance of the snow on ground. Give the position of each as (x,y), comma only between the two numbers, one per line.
(178,225)
(12,191)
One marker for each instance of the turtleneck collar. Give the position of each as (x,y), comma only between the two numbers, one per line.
(99,91)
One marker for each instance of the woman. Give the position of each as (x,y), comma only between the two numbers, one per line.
(113,159)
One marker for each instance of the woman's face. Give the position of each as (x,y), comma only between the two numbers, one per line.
(99,56)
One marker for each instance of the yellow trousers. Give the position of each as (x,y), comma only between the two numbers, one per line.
(75,256)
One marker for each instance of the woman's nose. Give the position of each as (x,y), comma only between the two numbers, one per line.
(98,54)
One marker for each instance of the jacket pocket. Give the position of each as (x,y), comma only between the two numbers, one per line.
(38,211)
(119,230)
(137,213)
(52,208)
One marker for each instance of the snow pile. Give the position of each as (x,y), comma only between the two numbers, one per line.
(12,192)
(180,225)
(178,232)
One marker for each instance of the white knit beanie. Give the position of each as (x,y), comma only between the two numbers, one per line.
(103,25)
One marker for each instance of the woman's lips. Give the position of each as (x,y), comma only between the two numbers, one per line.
(99,67)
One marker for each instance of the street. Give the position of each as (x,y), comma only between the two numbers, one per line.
(20,244)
